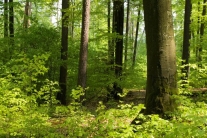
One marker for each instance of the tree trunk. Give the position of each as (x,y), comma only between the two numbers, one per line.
(127,34)
(110,44)
(11,20)
(186,40)
(61,96)
(135,41)
(6,18)
(73,19)
(161,57)
(202,27)
(84,44)
(27,14)
(118,24)
(198,37)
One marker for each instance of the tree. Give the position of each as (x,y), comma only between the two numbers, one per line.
(202,28)
(127,33)
(136,37)
(186,40)
(161,58)
(6,18)
(61,96)
(110,45)
(83,55)
(11,19)
(118,22)
(27,14)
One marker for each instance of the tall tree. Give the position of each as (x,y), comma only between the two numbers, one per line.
(202,28)
(127,34)
(11,19)
(6,18)
(118,24)
(186,40)
(61,96)
(27,14)
(110,45)
(161,57)
(136,39)
(84,44)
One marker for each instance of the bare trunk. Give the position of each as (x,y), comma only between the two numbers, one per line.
(27,14)
(127,34)
(161,57)
(110,45)
(6,18)
(135,41)
(11,20)
(202,28)
(84,44)
(186,40)
(118,24)
(61,96)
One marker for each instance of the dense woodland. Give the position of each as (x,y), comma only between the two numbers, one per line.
(103,69)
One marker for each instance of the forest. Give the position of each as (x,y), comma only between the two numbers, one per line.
(103,69)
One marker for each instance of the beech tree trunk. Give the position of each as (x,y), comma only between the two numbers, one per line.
(84,44)
(161,57)
(186,40)
(61,96)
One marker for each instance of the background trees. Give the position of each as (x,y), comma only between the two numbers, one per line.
(42,62)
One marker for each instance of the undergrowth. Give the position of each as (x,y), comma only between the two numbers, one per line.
(21,117)
(28,109)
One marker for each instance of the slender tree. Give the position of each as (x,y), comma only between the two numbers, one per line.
(186,40)
(127,34)
(84,44)
(110,44)
(27,14)
(11,19)
(136,39)
(61,96)
(6,18)
(198,46)
(161,57)
(202,28)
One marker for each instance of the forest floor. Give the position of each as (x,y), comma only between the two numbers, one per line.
(112,115)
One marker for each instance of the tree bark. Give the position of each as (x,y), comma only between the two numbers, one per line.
(127,34)
(84,44)
(135,41)
(6,18)
(161,57)
(11,20)
(61,96)
(27,14)
(186,40)
(110,45)
(202,28)
(118,28)
(118,24)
